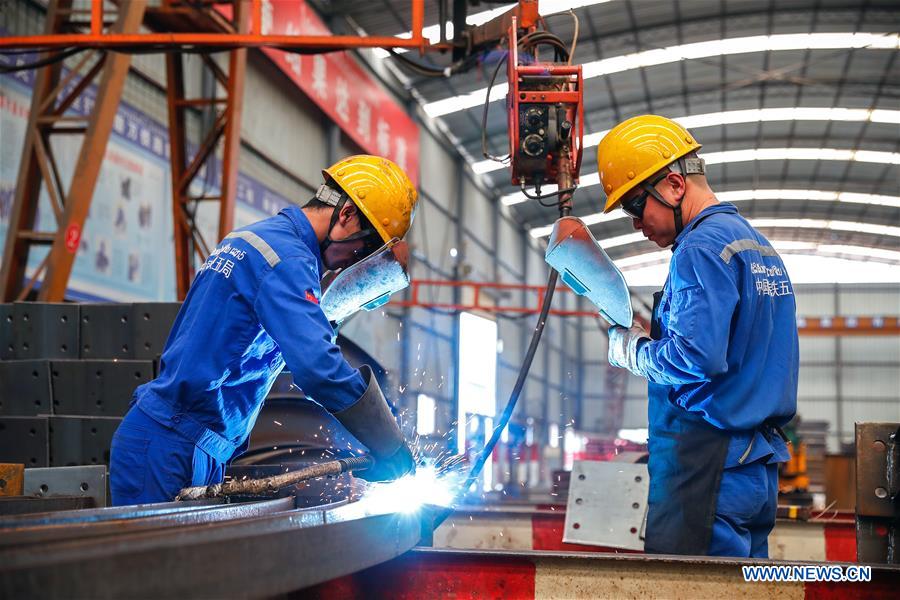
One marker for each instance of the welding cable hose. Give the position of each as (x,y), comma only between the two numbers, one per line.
(475,471)
(269,485)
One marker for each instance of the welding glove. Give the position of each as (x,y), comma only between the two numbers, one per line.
(623,347)
(370,421)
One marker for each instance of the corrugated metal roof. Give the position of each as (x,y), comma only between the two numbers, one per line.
(859,78)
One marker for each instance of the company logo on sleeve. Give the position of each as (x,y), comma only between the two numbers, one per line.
(311,297)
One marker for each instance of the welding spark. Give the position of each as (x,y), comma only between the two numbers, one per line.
(429,485)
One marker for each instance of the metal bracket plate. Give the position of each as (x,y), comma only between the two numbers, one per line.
(607,505)
(88,481)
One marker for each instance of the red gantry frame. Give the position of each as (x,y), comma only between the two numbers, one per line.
(104,39)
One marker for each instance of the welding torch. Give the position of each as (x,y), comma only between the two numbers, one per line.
(268,485)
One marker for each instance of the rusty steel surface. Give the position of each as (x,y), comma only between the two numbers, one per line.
(12,479)
(247,556)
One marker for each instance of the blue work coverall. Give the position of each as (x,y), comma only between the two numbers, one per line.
(722,368)
(253,307)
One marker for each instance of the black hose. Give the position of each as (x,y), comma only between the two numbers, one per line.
(475,471)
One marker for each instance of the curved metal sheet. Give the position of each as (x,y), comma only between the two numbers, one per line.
(82,530)
(259,556)
(87,515)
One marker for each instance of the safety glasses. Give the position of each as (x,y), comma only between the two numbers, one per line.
(633,206)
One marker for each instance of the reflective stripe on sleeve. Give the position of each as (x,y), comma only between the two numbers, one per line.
(741,245)
(260,244)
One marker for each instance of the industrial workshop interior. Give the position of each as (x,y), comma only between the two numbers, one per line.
(450,299)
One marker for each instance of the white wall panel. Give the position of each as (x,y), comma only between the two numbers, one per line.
(813,410)
(478,212)
(634,414)
(817,382)
(871,382)
(636,387)
(509,248)
(556,361)
(871,302)
(591,414)
(430,363)
(432,235)
(555,409)
(816,349)
(377,335)
(437,172)
(592,382)
(595,344)
(876,349)
(859,412)
(442,323)
(284,124)
(537,268)
(480,260)
(813,302)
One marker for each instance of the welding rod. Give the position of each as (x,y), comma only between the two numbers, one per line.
(275,482)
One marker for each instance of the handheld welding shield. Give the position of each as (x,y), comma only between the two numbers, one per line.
(367,284)
(586,268)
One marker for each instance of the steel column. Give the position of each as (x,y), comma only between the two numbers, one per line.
(90,159)
(226,127)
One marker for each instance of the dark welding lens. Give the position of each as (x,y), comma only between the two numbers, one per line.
(634,206)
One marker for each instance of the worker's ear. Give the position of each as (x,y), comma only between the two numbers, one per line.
(347,214)
(676,183)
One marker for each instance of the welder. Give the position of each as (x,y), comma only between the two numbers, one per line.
(253,309)
(722,354)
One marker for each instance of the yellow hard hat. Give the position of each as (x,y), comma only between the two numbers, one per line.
(637,148)
(380,189)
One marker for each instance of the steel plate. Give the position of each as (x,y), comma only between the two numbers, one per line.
(607,505)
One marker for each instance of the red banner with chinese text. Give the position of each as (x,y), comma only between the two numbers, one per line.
(342,88)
